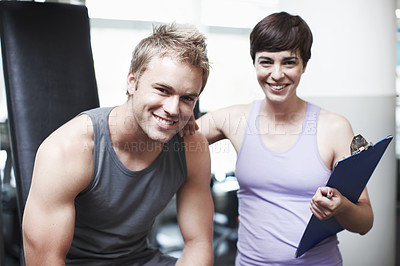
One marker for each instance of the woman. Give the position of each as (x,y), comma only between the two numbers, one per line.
(286,149)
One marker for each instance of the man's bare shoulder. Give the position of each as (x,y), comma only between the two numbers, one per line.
(195,143)
(67,152)
(197,153)
(70,137)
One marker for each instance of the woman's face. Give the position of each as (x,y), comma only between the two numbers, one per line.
(278,74)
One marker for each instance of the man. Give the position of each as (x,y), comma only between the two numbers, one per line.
(101,179)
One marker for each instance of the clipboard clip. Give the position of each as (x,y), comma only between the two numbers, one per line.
(358,144)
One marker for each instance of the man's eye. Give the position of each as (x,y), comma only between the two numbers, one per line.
(188,99)
(162,90)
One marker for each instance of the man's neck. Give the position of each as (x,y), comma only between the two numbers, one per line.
(132,146)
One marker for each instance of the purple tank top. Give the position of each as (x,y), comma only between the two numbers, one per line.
(274,197)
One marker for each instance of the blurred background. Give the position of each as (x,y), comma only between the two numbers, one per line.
(353,71)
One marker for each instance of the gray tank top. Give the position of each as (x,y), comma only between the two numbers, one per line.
(115,213)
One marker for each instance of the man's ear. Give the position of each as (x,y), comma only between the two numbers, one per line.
(131,83)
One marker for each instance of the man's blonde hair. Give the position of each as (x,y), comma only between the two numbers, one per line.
(184,43)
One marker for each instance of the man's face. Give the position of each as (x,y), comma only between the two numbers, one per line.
(163,97)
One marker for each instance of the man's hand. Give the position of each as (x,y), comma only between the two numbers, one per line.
(190,128)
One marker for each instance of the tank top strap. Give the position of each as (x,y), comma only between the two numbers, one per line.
(99,118)
(251,131)
(253,119)
(311,119)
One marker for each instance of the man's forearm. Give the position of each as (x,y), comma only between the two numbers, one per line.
(37,258)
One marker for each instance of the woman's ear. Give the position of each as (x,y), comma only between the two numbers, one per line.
(304,68)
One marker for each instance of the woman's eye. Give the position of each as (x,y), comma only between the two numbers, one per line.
(265,62)
(291,63)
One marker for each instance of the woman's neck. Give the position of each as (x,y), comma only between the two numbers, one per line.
(284,111)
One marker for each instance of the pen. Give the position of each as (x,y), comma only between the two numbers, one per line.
(329,194)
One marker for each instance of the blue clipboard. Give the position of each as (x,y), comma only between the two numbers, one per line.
(349,176)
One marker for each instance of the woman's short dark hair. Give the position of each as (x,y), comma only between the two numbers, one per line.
(281,32)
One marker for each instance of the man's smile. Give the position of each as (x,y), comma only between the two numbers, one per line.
(167,122)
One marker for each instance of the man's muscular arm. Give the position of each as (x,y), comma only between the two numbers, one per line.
(62,169)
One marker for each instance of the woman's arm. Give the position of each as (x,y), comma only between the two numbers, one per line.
(335,136)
